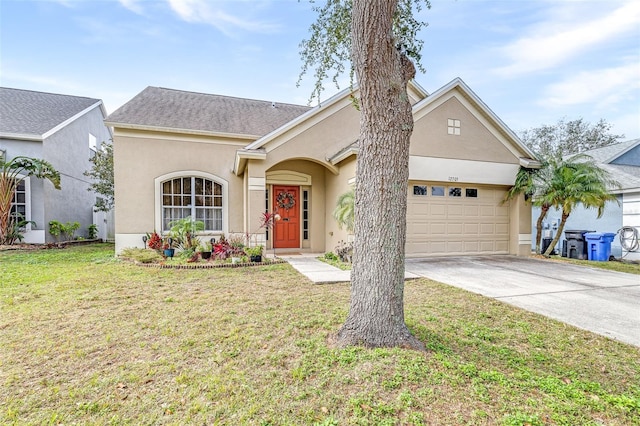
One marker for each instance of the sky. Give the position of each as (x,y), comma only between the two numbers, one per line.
(533,62)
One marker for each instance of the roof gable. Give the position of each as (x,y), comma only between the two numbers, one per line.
(35,115)
(175,110)
(458,88)
(333,104)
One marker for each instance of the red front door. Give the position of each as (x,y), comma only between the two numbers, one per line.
(286,202)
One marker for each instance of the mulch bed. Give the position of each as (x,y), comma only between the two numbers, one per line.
(207,265)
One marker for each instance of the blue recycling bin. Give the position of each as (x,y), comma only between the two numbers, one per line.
(599,245)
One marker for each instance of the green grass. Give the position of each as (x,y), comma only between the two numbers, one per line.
(87,339)
(614,265)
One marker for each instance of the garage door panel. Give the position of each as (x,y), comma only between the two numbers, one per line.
(455,229)
(454,247)
(438,247)
(502,246)
(471,246)
(502,229)
(439,228)
(458,225)
(487,246)
(455,211)
(488,211)
(487,228)
(502,212)
(471,228)
(471,211)
(436,210)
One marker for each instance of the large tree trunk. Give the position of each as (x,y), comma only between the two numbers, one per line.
(376,314)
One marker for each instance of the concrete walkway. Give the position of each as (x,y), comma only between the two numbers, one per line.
(604,302)
(320,272)
(317,271)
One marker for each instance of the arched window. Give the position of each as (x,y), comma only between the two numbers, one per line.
(195,196)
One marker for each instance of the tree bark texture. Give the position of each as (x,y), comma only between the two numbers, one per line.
(376,314)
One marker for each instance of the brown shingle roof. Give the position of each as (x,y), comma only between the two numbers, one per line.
(175,109)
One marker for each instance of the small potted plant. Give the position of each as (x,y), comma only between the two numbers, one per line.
(167,248)
(205,250)
(254,253)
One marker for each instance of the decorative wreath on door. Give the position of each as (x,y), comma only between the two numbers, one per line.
(285,200)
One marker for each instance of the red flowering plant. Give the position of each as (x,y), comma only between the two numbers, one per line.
(154,241)
(268,219)
(224,248)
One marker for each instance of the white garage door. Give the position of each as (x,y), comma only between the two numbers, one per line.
(448,219)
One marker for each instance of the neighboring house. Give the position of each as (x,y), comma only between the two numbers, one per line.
(622,161)
(226,160)
(65,131)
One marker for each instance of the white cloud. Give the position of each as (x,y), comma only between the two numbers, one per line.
(132,5)
(211,13)
(553,42)
(601,87)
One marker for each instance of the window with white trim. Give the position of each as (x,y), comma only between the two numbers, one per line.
(19,201)
(93,143)
(194,196)
(453,127)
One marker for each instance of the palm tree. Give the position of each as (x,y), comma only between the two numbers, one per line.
(344,213)
(577,180)
(531,183)
(11,173)
(563,183)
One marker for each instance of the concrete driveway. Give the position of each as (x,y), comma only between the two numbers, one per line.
(604,302)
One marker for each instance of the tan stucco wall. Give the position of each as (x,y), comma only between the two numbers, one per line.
(140,157)
(320,141)
(475,142)
(520,229)
(337,185)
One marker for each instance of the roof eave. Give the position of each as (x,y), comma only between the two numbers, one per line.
(243,156)
(300,119)
(162,129)
(72,119)
(343,155)
(21,136)
(530,163)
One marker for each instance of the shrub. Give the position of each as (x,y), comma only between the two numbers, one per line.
(16,228)
(330,256)
(67,230)
(344,251)
(184,230)
(93,231)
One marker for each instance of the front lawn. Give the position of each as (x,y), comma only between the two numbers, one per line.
(88,339)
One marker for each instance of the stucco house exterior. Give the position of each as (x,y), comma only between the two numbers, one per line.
(63,130)
(622,161)
(227,160)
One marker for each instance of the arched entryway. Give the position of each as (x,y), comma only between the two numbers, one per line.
(288,195)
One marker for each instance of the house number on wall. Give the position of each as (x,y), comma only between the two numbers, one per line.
(453,178)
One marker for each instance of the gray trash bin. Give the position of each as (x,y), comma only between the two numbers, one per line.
(576,244)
